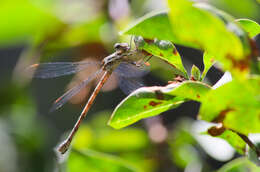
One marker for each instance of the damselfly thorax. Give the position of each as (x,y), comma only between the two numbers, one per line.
(123,53)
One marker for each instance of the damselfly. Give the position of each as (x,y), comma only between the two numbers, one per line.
(124,61)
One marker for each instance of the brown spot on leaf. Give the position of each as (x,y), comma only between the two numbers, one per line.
(198,44)
(153,103)
(161,54)
(192,78)
(146,53)
(198,96)
(159,95)
(145,107)
(149,41)
(175,52)
(220,118)
(171,64)
(242,64)
(212,60)
(254,49)
(177,79)
(216,130)
(244,149)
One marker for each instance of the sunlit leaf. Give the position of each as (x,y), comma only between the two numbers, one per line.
(235,104)
(151,26)
(195,73)
(89,160)
(198,26)
(142,103)
(234,140)
(208,61)
(164,50)
(192,90)
(250,26)
(150,101)
(245,8)
(212,30)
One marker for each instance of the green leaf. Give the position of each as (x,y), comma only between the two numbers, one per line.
(239,165)
(213,31)
(153,25)
(208,61)
(192,90)
(142,103)
(89,160)
(150,101)
(245,8)
(164,50)
(250,26)
(195,73)
(235,104)
(21,21)
(234,140)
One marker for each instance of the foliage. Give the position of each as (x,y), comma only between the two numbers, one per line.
(240,164)
(235,105)
(231,109)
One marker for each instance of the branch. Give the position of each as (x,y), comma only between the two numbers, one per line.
(249,142)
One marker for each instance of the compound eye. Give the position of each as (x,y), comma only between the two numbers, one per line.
(117,46)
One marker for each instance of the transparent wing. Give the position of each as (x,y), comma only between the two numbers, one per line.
(73,91)
(128,85)
(56,69)
(129,70)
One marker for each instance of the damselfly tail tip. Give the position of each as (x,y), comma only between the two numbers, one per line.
(63,147)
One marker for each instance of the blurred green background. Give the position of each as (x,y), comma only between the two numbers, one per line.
(75,30)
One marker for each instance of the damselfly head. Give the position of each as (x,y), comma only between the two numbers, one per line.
(123,47)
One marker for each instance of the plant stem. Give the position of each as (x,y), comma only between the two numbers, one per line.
(249,142)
